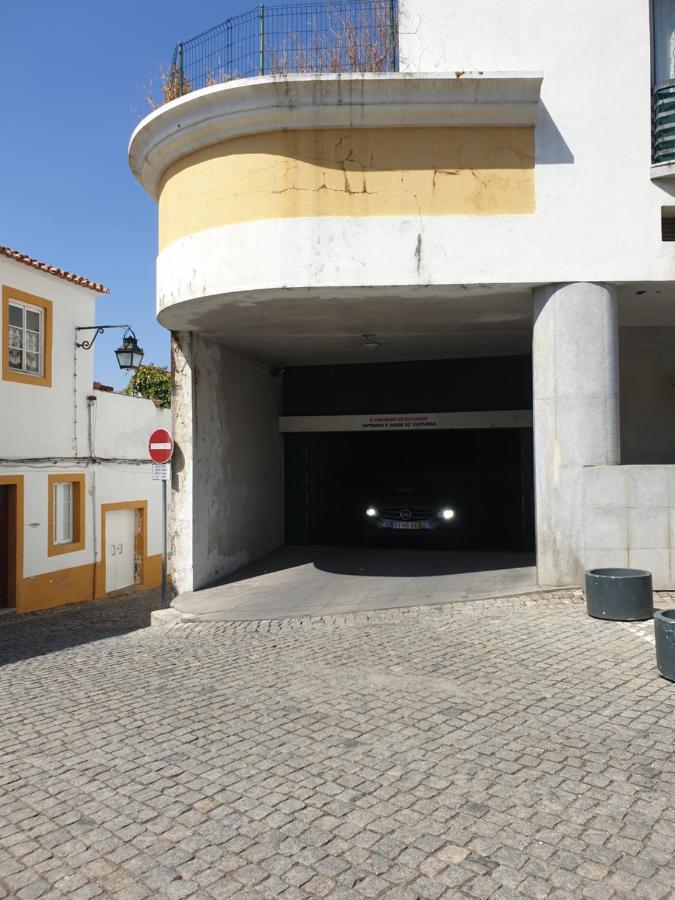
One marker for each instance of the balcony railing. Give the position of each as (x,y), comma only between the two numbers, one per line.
(663,130)
(324,36)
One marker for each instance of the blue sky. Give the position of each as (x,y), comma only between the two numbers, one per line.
(75,74)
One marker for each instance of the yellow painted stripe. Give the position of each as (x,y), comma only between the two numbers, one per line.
(357,172)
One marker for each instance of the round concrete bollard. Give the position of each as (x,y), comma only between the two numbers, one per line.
(624,595)
(664,631)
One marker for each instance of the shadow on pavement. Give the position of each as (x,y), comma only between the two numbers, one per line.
(36,634)
(384,562)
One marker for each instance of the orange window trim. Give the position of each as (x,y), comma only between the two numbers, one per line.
(78,542)
(44,380)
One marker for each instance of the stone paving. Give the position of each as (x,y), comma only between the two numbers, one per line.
(503,748)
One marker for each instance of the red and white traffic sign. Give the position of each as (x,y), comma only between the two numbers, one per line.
(160,446)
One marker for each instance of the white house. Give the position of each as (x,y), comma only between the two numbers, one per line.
(476,240)
(80,515)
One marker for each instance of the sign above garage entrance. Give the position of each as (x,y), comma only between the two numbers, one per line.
(505,418)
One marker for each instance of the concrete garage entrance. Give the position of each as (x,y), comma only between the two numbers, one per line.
(351,435)
(312,443)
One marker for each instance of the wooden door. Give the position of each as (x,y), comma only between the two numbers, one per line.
(120,550)
(4,546)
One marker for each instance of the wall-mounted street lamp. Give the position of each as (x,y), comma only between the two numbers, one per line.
(129,354)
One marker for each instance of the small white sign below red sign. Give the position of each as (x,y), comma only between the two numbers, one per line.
(160,446)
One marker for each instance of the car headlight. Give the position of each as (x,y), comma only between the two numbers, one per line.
(447,514)
(371,512)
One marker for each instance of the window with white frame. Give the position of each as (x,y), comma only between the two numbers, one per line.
(26,338)
(63,512)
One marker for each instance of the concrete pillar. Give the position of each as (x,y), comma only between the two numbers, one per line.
(227,478)
(181,562)
(576,414)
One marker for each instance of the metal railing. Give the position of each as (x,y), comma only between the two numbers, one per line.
(663,122)
(324,36)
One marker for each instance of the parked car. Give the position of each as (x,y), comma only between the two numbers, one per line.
(407,510)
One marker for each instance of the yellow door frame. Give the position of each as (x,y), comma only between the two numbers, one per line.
(140,544)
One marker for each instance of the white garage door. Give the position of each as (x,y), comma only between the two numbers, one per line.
(120,534)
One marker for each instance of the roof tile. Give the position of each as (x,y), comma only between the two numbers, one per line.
(53,270)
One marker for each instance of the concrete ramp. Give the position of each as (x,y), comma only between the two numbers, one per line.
(315,581)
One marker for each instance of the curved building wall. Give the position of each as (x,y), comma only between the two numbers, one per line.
(404,181)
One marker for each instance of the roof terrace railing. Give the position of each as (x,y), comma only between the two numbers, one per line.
(323,36)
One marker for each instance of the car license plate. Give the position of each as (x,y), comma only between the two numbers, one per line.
(409,526)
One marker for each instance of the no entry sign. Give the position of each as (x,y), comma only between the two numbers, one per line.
(160,446)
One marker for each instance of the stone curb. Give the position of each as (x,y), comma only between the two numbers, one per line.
(160,618)
(372,617)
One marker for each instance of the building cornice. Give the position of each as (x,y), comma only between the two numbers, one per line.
(288,102)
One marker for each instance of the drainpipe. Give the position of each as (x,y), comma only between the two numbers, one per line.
(75,396)
(91,401)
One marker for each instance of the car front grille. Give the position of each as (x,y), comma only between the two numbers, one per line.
(417,513)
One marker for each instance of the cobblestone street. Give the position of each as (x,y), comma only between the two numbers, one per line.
(505,748)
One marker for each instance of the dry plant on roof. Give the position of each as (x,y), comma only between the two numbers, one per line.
(170,87)
(361,41)
(173,86)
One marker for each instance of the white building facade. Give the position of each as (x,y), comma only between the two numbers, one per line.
(481,238)
(80,515)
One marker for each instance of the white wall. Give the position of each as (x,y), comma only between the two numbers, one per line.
(629,519)
(594,194)
(647,358)
(123,425)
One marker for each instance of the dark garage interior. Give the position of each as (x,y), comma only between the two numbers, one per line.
(484,475)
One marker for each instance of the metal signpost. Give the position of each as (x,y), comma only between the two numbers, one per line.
(160,448)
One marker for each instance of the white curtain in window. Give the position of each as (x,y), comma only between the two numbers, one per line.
(25,338)
(63,513)
(664,40)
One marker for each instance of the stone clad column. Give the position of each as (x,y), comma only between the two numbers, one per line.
(227,471)
(181,521)
(575,356)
